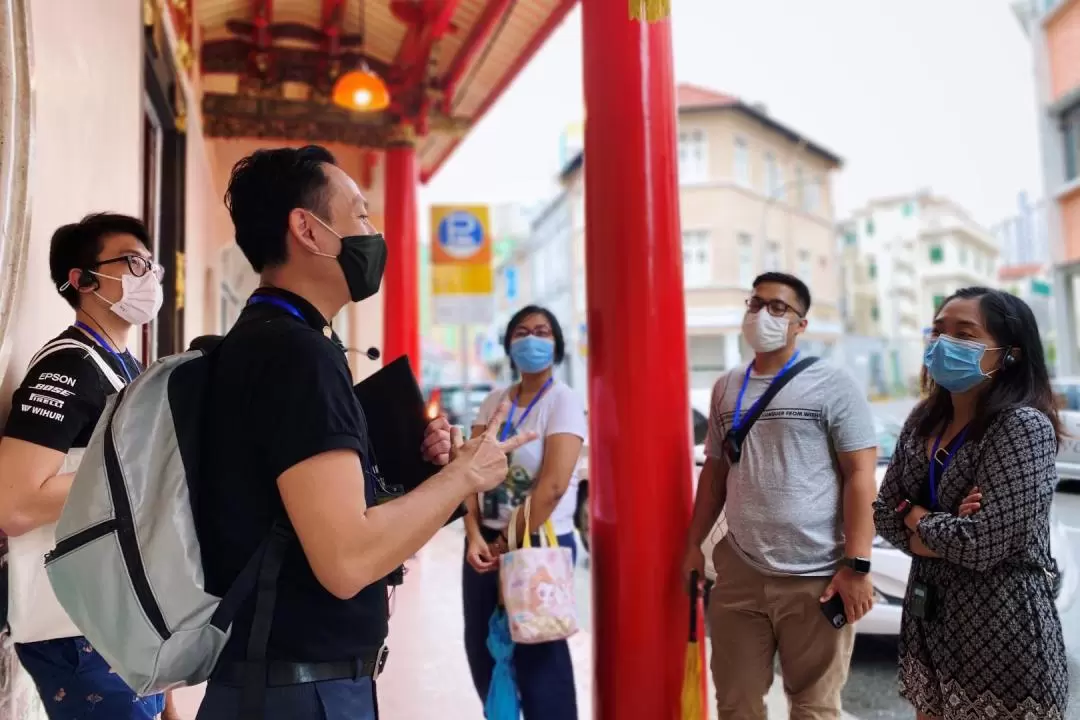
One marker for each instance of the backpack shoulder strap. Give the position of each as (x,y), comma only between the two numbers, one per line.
(63,344)
(775,387)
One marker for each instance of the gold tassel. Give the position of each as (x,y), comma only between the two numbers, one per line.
(650,10)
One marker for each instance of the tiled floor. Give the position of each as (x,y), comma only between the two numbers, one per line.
(427,667)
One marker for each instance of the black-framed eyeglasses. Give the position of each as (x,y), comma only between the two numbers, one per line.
(138,265)
(540,331)
(776,306)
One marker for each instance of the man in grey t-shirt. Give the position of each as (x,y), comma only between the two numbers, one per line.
(798,503)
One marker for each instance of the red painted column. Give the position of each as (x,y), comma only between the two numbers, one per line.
(640,444)
(400,286)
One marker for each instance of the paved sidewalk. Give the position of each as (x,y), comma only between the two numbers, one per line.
(427,675)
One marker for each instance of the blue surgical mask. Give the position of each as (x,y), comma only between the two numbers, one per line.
(532,354)
(955,365)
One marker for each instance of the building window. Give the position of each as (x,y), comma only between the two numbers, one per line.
(812,195)
(774,182)
(964,258)
(875,313)
(805,270)
(697,258)
(907,210)
(772,257)
(872,270)
(1070,126)
(937,254)
(746,260)
(693,152)
(870,227)
(742,162)
(850,238)
(939,300)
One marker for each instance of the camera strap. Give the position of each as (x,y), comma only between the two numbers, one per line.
(748,420)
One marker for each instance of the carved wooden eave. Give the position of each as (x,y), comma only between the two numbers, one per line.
(230,116)
(438,58)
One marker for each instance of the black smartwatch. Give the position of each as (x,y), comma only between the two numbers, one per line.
(859,565)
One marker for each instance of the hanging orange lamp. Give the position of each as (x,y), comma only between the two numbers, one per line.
(361,90)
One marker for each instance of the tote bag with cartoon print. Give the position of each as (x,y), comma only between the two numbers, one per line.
(537,586)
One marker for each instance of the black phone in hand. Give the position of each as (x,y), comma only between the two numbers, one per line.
(833,610)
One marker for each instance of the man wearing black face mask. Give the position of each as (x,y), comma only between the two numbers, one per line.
(286,443)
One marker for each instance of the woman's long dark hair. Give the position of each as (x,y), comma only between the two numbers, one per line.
(1024,383)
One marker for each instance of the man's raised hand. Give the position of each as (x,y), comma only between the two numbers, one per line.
(484,456)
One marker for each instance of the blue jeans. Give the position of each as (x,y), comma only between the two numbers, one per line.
(329,700)
(545,674)
(74,683)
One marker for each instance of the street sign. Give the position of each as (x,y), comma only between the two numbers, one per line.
(461,273)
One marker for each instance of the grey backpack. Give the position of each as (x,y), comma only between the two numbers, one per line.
(127,566)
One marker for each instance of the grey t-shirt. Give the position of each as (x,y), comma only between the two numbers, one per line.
(784,498)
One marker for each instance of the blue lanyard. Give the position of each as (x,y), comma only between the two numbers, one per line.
(956,443)
(737,421)
(509,424)
(104,346)
(276,302)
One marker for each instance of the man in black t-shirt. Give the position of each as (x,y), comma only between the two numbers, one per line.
(286,440)
(102,267)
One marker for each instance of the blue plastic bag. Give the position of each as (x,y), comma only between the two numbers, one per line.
(502,700)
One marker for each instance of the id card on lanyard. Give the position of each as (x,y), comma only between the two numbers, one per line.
(276,302)
(106,347)
(509,426)
(942,456)
(739,417)
(494,498)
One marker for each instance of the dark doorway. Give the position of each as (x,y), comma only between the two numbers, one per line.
(164,161)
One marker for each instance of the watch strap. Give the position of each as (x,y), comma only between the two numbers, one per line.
(859,565)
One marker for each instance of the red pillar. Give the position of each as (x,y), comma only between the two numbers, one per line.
(400,286)
(640,443)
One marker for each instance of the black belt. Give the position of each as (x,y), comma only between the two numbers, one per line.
(280,673)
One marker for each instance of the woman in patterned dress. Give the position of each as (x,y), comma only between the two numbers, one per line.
(968,495)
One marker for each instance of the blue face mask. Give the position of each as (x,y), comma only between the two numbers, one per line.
(532,354)
(955,365)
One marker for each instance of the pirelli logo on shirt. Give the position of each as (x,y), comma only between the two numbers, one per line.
(48,397)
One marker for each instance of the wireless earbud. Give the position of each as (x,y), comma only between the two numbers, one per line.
(86,279)
(1008,360)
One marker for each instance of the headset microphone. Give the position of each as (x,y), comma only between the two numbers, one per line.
(371,353)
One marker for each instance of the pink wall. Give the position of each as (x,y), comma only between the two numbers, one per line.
(1063,42)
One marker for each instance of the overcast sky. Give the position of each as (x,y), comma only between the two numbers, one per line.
(911,93)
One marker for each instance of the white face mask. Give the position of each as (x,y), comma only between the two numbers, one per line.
(141,299)
(764,332)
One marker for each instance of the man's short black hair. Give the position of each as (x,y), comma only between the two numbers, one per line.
(264,188)
(556,330)
(78,245)
(801,291)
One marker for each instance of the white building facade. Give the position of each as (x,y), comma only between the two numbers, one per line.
(901,257)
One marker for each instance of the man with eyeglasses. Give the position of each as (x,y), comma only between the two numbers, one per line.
(102,267)
(797,487)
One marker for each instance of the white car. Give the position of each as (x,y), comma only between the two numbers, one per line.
(891,566)
(1067,394)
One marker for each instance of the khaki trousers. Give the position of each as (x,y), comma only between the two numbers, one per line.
(752,618)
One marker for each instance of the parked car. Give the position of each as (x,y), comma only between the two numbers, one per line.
(1067,394)
(891,566)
